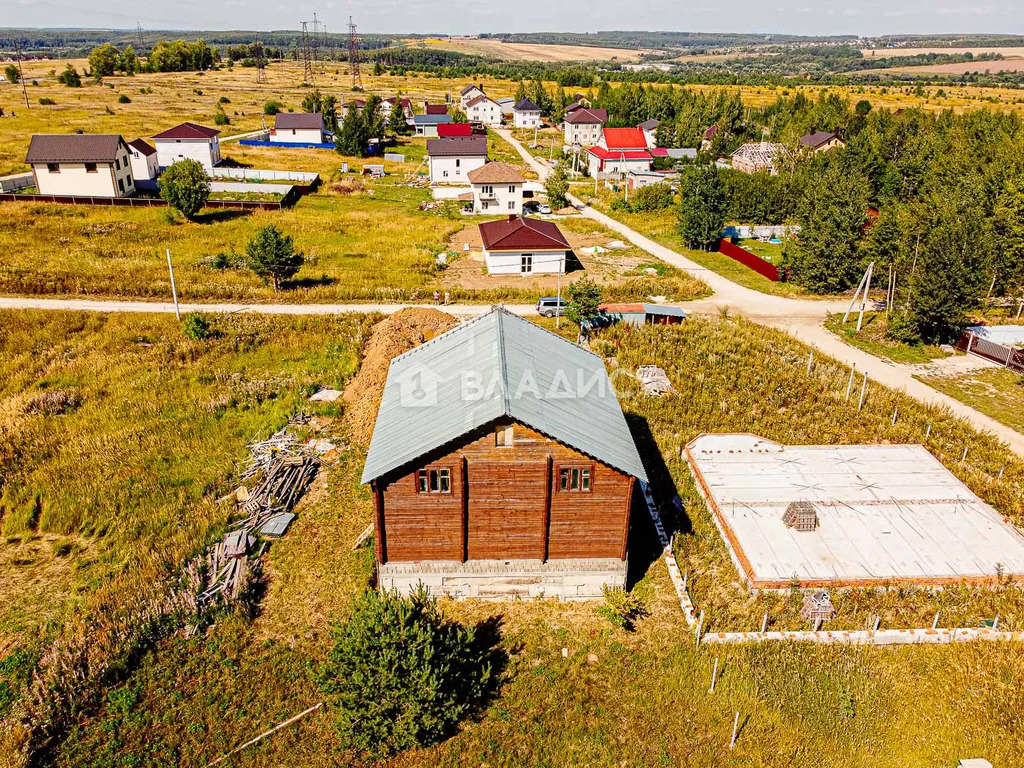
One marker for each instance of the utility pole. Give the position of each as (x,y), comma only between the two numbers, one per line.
(21,73)
(174,290)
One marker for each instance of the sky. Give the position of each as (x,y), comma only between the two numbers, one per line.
(461,17)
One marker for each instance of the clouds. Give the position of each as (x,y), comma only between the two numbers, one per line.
(824,17)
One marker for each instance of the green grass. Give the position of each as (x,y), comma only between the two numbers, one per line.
(872,339)
(641,698)
(768,251)
(996,392)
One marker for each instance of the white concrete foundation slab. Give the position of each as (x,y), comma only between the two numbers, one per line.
(887,514)
(582,579)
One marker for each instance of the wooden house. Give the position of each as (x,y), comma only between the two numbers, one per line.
(501,465)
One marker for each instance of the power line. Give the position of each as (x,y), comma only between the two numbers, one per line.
(353,55)
(307,56)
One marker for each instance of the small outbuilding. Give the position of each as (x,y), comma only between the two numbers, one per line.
(85,164)
(426,125)
(501,466)
(188,141)
(821,141)
(643,314)
(524,246)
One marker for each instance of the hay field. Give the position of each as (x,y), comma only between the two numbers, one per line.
(882,53)
(535,51)
(963,67)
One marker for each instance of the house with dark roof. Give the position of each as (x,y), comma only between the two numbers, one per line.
(619,151)
(426,125)
(520,245)
(497,188)
(501,466)
(708,138)
(483,110)
(299,128)
(583,126)
(452,159)
(435,109)
(88,165)
(821,141)
(143,161)
(188,141)
(525,114)
(469,93)
(388,105)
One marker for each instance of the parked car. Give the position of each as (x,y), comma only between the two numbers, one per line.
(549,306)
(544,208)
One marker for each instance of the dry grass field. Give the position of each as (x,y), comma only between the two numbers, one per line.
(532,51)
(882,53)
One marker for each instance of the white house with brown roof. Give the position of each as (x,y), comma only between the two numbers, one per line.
(484,110)
(188,141)
(452,159)
(143,160)
(497,188)
(525,114)
(583,126)
(524,246)
(88,165)
(469,93)
(298,128)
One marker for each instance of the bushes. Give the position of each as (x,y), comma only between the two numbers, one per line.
(584,298)
(123,99)
(272,107)
(622,608)
(655,197)
(70,77)
(186,187)
(401,676)
(196,327)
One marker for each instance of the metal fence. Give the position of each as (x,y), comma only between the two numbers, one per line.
(150,202)
(1008,357)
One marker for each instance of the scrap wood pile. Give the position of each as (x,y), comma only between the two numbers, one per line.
(391,337)
(286,468)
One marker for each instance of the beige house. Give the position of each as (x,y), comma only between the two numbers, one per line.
(87,165)
(497,189)
(821,141)
(583,126)
(485,110)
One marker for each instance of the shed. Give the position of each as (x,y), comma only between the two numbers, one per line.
(501,465)
(643,314)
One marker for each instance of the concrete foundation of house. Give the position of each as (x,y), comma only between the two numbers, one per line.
(582,579)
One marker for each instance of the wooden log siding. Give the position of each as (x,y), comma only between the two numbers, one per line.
(505,504)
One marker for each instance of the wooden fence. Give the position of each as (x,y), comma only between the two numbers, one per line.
(1008,357)
(151,202)
(748,259)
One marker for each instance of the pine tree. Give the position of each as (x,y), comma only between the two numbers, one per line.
(396,121)
(352,138)
(271,255)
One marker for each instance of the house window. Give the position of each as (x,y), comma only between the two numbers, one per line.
(526,263)
(117,163)
(511,205)
(53,167)
(574,479)
(120,185)
(487,190)
(434,481)
(444,174)
(90,167)
(458,162)
(503,436)
(511,189)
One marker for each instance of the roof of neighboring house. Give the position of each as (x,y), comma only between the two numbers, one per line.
(506,100)
(817,138)
(710,132)
(624,138)
(518,233)
(393,99)
(446,130)
(357,103)
(145,149)
(458,146)
(188,131)
(496,173)
(505,350)
(647,309)
(74,148)
(648,125)
(525,105)
(763,152)
(431,119)
(587,115)
(300,120)
(436,109)
(619,154)
(659,152)
(469,88)
(480,100)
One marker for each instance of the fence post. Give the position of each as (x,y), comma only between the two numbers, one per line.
(863,392)
(849,384)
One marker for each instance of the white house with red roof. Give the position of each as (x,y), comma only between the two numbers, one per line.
(143,160)
(619,151)
(524,246)
(484,110)
(188,141)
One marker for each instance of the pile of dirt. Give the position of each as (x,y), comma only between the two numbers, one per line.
(392,336)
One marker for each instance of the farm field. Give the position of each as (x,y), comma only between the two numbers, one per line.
(1008,52)
(496,49)
(612,696)
(961,68)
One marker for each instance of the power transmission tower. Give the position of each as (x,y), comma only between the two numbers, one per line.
(307,57)
(353,55)
(138,35)
(261,62)
(315,43)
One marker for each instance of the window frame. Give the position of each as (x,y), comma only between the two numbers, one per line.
(435,481)
(526,263)
(91,168)
(584,478)
(53,167)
